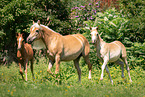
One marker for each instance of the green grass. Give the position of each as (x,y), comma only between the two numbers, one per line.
(11,83)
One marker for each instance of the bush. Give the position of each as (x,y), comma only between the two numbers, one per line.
(134,10)
(113,25)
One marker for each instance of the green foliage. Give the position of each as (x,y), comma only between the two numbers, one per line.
(135,11)
(137,54)
(11,83)
(111,24)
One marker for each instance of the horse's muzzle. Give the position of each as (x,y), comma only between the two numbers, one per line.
(29,40)
(93,42)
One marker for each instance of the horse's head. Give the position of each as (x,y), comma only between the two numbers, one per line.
(35,32)
(20,40)
(94,34)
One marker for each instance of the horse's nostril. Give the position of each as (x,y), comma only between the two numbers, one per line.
(28,40)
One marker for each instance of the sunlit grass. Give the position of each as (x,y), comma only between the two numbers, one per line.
(66,84)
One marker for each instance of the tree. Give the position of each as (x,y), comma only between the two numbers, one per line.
(17,16)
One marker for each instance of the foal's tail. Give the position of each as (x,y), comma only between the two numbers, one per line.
(123,49)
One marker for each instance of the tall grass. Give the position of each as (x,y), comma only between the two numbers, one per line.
(11,83)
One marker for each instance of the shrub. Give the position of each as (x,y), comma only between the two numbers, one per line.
(111,23)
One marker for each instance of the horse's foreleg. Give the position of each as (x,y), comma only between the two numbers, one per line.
(51,63)
(107,70)
(103,67)
(21,72)
(76,63)
(57,60)
(25,67)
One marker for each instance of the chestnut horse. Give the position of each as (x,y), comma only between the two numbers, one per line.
(60,48)
(109,52)
(24,54)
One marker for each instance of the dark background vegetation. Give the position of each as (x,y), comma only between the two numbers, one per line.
(70,17)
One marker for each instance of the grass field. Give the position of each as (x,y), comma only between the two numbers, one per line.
(11,83)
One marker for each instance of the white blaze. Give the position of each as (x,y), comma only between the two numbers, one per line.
(20,41)
(93,35)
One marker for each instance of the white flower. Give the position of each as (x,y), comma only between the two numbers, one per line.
(110,15)
(105,19)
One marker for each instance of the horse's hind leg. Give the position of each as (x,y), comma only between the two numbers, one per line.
(119,62)
(32,69)
(89,65)
(76,63)
(127,67)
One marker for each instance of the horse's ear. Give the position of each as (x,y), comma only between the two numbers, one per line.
(33,22)
(17,34)
(38,22)
(90,28)
(23,35)
(97,28)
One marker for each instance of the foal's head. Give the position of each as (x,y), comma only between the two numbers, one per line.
(94,34)
(35,32)
(20,40)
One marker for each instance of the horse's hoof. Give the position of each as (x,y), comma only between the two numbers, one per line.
(125,80)
(112,82)
(101,78)
(89,77)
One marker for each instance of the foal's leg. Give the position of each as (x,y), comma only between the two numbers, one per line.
(32,69)
(127,67)
(76,63)
(119,62)
(21,72)
(103,67)
(25,67)
(89,65)
(107,70)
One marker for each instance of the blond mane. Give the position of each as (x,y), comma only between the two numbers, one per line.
(40,27)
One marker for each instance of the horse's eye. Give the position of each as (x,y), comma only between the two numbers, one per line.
(37,31)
